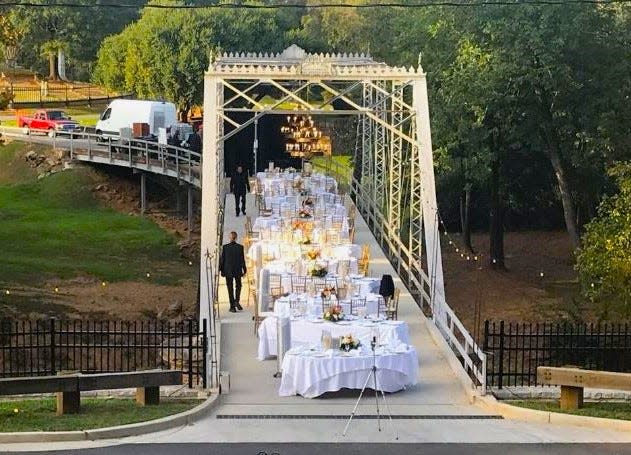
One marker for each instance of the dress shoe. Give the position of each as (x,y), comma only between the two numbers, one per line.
(237,213)
(238,305)
(232,309)
(243,212)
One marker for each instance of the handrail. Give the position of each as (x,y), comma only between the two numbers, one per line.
(169,160)
(449,326)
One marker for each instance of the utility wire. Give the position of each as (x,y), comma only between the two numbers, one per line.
(231,5)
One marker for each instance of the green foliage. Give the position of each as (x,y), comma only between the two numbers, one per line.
(604,260)
(165,53)
(40,415)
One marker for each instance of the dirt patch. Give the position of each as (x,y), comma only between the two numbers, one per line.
(88,298)
(539,282)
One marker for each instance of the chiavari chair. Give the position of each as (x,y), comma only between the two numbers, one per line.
(356,304)
(299,284)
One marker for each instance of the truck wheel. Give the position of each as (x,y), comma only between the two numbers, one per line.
(26,130)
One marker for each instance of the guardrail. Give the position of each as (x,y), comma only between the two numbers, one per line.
(177,162)
(410,270)
(60,95)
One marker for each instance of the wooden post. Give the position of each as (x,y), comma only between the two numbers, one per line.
(143,193)
(148,396)
(68,402)
(190,211)
(571,397)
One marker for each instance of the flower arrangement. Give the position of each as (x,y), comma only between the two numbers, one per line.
(308,202)
(304,213)
(313,254)
(305,241)
(318,271)
(334,314)
(327,292)
(348,342)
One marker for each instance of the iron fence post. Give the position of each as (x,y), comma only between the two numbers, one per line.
(204,353)
(52,347)
(190,353)
(500,373)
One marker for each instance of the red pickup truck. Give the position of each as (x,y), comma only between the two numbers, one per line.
(49,121)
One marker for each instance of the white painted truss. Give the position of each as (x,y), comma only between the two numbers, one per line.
(393,188)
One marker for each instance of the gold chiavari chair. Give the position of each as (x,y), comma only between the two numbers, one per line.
(363,263)
(299,284)
(356,304)
(251,280)
(393,306)
(275,285)
(382,306)
(333,237)
(343,267)
(337,222)
(351,234)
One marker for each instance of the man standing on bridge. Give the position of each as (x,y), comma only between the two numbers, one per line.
(240,186)
(232,266)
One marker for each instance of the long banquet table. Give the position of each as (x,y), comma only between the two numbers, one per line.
(312,373)
(308,332)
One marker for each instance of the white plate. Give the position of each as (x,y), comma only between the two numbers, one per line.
(316,321)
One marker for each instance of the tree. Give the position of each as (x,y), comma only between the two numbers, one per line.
(604,259)
(50,50)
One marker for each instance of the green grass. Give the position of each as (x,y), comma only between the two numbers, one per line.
(607,410)
(55,228)
(39,415)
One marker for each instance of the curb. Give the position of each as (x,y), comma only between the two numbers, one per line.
(121,431)
(508,411)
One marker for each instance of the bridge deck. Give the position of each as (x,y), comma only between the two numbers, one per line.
(255,390)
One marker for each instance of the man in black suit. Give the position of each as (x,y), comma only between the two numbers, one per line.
(232,266)
(240,186)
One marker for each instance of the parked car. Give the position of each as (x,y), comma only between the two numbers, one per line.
(124,113)
(50,121)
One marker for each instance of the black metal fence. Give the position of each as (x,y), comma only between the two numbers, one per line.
(514,350)
(45,347)
(60,95)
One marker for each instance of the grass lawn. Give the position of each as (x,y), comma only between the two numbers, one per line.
(39,415)
(54,227)
(597,409)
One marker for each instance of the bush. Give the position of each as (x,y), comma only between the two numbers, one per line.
(604,260)
(5,98)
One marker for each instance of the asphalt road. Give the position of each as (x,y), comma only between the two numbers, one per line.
(354,449)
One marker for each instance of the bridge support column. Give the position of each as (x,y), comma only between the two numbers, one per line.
(178,201)
(143,193)
(190,211)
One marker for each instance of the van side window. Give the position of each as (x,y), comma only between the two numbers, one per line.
(106,114)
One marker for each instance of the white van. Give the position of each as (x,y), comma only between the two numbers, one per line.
(124,113)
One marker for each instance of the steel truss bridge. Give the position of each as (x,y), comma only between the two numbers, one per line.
(393,184)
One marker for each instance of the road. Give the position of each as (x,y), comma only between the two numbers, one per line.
(353,449)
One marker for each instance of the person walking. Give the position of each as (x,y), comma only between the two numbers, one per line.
(232,267)
(239,186)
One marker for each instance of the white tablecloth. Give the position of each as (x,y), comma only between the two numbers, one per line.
(306,333)
(311,376)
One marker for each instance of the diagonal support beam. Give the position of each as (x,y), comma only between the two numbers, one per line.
(292,94)
(242,94)
(238,95)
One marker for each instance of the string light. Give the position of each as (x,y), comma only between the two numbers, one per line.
(56,290)
(7,292)
(190,263)
(541,274)
(148,275)
(103,283)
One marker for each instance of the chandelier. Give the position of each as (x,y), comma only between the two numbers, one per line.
(304,139)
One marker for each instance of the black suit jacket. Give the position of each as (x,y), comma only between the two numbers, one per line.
(239,183)
(232,261)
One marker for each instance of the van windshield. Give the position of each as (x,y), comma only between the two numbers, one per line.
(106,114)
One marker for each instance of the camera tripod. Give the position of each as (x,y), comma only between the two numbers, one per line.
(373,374)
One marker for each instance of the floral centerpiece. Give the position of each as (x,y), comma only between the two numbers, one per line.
(319,271)
(333,314)
(327,292)
(313,254)
(304,213)
(348,342)
(305,241)
(308,202)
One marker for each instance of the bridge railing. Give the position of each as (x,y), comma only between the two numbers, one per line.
(149,156)
(409,268)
